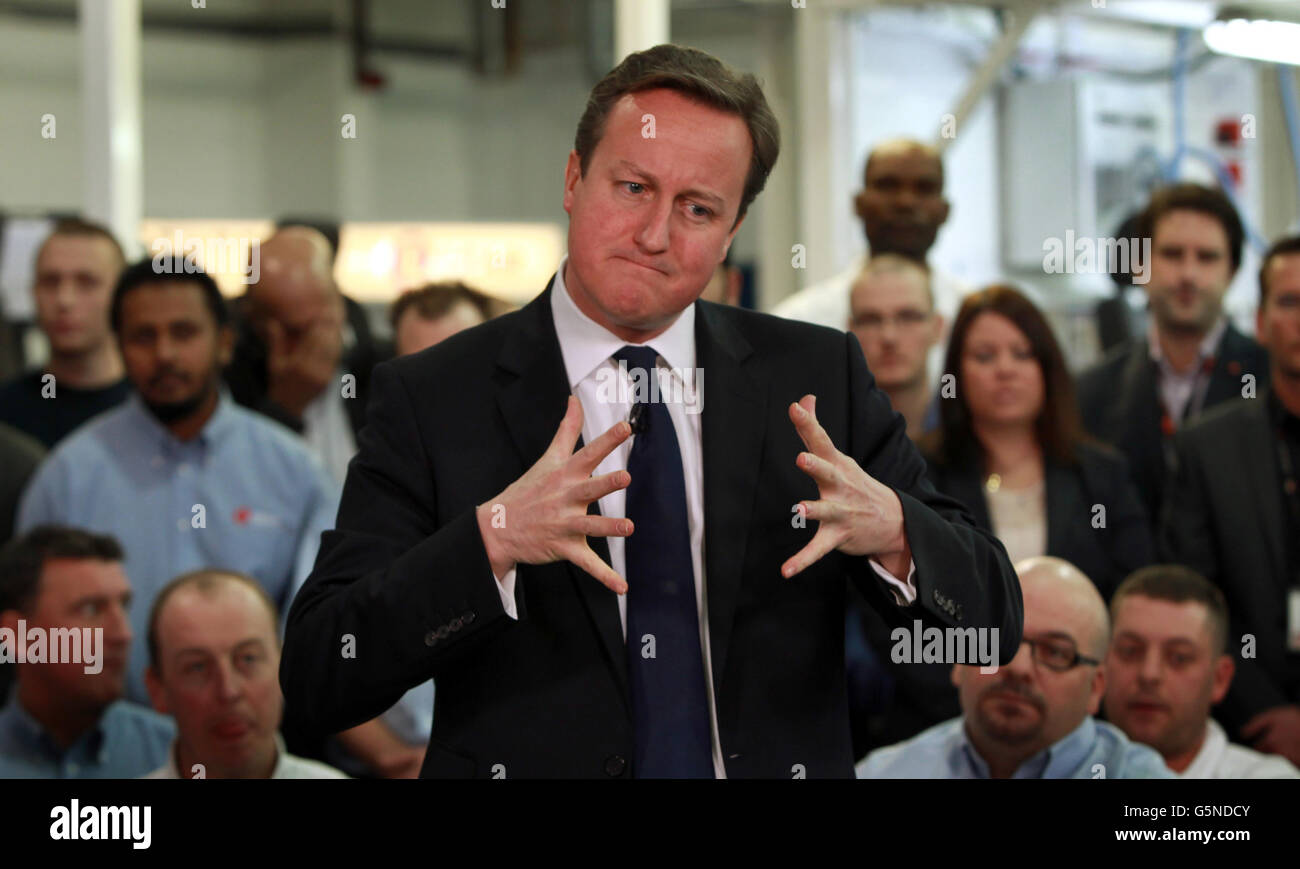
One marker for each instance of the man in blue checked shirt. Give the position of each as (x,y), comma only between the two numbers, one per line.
(1032,718)
(179,473)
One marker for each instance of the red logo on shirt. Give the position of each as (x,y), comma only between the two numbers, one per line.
(242,515)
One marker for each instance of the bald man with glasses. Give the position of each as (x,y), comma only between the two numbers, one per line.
(1031,717)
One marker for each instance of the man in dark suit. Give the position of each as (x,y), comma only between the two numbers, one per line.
(1232,515)
(470,551)
(1192,357)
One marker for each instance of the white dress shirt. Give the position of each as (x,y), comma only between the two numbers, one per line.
(1179,388)
(1219,758)
(587,347)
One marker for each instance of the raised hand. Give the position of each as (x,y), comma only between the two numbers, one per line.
(544,513)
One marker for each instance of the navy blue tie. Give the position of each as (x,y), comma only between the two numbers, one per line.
(670,708)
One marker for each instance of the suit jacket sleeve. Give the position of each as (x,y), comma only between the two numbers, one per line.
(963,577)
(409,589)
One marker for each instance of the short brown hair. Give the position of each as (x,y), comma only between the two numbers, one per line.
(700,76)
(206,581)
(1058,428)
(75,227)
(22,561)
(435,300)
(1195,197)
(1286,246)
(1178,584)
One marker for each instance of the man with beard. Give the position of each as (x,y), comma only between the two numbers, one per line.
(1192,358)
(1032,718)
(179,473)
(1167,665)
(67,718)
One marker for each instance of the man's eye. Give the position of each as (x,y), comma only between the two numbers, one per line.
(634,186)
(700,211)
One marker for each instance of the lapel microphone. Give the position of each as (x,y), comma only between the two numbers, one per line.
(639,419)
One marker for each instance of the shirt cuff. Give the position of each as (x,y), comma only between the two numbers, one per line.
(904,592)
(506,587)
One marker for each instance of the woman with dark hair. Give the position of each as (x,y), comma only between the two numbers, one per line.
(1011,448)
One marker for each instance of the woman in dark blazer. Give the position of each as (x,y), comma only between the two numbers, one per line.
(1010,447)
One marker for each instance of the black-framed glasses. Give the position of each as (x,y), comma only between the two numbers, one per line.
(1057,652)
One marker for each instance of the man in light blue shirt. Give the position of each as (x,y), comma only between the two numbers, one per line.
(1032,717)
(184,477)
(63,625)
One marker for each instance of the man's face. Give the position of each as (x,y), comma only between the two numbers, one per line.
(901,204)
(81,593)
(891,316)
(171,344)
(1026,705)
(1001,380)
(415,333)
(1191,268)
(291,295)
(1277,323)
(75,276)
(654,216)
(218,676)
(1163,674)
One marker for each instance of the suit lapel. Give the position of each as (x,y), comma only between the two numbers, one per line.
(734,406)
(1230,363)
(533,406)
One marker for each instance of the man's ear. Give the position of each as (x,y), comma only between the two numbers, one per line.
(859,203)
(947,210)
(1098,690)
(1224,669)
(225,345)
(572,176)
(157,694)
(937,326)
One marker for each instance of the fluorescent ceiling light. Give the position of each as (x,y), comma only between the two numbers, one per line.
(1258,39)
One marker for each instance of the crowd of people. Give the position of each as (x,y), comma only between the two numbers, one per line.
(167,476)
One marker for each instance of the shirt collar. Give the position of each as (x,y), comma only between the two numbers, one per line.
(1209,344)
(15,717)
(213,430)
(585,344)
(1058,760)
(173,771)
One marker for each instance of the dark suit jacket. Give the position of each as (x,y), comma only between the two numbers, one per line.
(406,574)
(1120,402)
(247,377)
(1225,519)
(923,693)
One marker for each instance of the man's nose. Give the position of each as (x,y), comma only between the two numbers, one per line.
(230,685)
(652,236)
(1150,668)
(1022,664)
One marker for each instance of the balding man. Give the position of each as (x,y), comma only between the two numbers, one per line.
(1032,717)
(901,206)
(214,659)
(304,352)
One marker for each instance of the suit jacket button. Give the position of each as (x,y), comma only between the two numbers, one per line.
(468,617)
(430,638)
(614,765)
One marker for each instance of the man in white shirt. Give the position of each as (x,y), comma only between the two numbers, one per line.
(214,660)
(901,206)
(1168,664)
